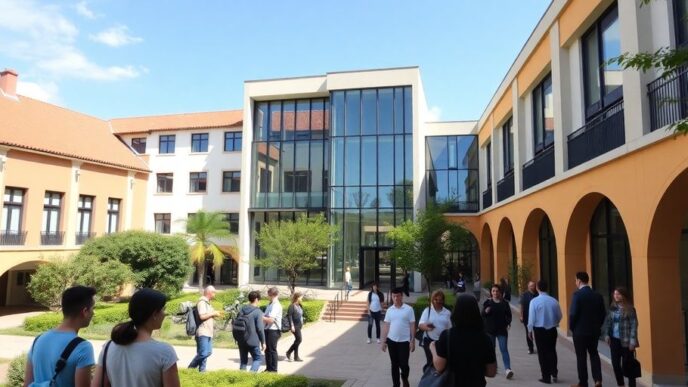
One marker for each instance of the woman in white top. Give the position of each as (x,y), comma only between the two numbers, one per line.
(133,358)
(433,321)
(375,300)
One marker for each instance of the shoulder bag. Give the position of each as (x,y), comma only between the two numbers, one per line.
(631,367)
(431,378)
(420,333)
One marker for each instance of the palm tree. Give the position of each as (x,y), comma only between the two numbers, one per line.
(202,226)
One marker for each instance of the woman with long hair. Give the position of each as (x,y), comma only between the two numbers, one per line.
(472,356)
(620,331)
(433,321)
(497,314)
(295,315)
(133,357)
(374,306)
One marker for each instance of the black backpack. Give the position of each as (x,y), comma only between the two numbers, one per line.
(286,323)
(240,327)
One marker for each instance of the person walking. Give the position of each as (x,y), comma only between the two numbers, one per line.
(524,302)
(347,281)
(374,305)
(273,323)
(544,315)
(398,334)
(497,315)
(133,357)
(433,321)
(620,331)
(255,342)
(205,331)
(477,286)
(586,317)
(407,283)
(461,283)
(63,342)
(295,315)
(472,354)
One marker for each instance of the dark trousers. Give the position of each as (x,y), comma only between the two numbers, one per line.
(297,341)
(619,356)
(528,340)
(376,317)
(428,354)
(271,337)
(546,341)
(587,345)
(399,355)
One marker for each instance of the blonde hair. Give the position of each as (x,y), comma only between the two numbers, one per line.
(435,294)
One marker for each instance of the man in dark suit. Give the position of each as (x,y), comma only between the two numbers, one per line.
(585,320)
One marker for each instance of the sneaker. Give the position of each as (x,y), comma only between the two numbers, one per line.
(509,374)
(368,341)
(298,359)
(378,341)
(554,378)
(289,357)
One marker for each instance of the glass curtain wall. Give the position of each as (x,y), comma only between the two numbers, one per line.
(371,170)
(451,172)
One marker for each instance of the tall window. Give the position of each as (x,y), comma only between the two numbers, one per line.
(508,144)
(198,181)
(12,211)
(162,223)
(167,144)
(165,182)
(548,256)
(51,212)
(233,219)
(139,145)
(681,22)
(199,142)
(231,181)
(296,181)
(232,141)
(84,215)
(543,115)
(488,163)
(113,215)
(603,83)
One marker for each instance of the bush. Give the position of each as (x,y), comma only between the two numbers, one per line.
(15,372)
(49,281)
(311,309)
(160,262)
(108,278)
(42,322)
(192,378)
(110,313)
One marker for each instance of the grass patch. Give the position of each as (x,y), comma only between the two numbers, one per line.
(193,378)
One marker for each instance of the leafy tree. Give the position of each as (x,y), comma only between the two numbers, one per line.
(107,277)
(294,246)
(49,281)
(203,227)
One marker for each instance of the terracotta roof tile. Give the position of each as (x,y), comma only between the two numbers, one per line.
(221,119)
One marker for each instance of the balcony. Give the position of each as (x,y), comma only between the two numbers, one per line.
(12,238)
(668,102)
(602,134)
(539,169)
(52,238)
(487,198)
(82,237)
(505,187)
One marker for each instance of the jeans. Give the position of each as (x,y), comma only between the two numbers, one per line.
(531,346)
(244,350)
(204,348)
(619,356)
(584,346)
(297,341)
(399,356)
(376,317)
(546,341)
(502,340)
(271,338)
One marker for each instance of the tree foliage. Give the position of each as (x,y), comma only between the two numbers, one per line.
(294,247)
(49,281)
(202,228)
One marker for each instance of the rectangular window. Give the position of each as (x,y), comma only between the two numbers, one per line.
(233,219)
(113,215)
(139,145)
(165,182)
(162,223)
(265,180)
(296,181)
(681,22)
(543,115)
(231,181)
(52,203)
(199,142)
(508,144)
(167,144)
(232,141)
(198,181)
(12,210)
(85,214)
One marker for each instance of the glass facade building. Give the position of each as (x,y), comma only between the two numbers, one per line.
(451,172)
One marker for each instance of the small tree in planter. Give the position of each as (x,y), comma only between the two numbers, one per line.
(202,227)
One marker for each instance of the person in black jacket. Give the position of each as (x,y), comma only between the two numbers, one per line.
(255,345)
(497,315)
(295,315)
(586,317)
(376,300)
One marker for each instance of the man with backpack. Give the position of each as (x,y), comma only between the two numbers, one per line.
(204,332)
(247,329)
(59,356)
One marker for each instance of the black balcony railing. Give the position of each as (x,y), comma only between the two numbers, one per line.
(539,169)
(505,187)
(82,237)
(487,197)
(52,237)
(602,134)
(668,99)
(12,238)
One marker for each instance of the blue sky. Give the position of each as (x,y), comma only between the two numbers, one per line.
(120,58)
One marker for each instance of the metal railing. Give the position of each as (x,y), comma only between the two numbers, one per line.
(668,99)
(82,237)
(505,187)
(539,169)
(333,306)
(487,197)
(602,134)
(52,238)
(12,238)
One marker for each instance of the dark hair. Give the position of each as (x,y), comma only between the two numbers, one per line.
(373,284)
(253,295)
(76,299)
(142,305)
(398,290)
(627,302)
(273,291)
(542,285)
(498,287)
(583,277)
(466,314)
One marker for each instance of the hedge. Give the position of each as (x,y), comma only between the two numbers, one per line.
(193,378)
(311,309)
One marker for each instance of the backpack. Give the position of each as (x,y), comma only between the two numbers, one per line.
(240,327)
(189,311)
(286,323)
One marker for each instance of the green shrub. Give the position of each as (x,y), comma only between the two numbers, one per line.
(49,281)
(108,278)
(192,378)
(110,313)
(15,372)
(42,322)
(311,309)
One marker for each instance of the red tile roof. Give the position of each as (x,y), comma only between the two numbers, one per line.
(221,119)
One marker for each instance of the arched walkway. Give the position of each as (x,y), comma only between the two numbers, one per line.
(486,258)
(506,249)
(539,250)
(13,284)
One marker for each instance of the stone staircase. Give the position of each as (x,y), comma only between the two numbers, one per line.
(351,311)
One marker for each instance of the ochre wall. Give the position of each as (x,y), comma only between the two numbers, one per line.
(104,183)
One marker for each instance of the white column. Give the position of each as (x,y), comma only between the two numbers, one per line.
(518,126)
(71,201)
(561,84)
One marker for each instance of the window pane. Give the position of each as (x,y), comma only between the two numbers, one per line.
(275,120)
(317,167)
(352,197)
(288,116)
(398,110)
(385,169)
(408,159)
(537,119)
(369,161)
(337,166)
(338,113)
(368,197)
(369,113)
(353,113)
(611,48)
(437,149)
(408,111)
(352,175)
(591,68)
(398,159)
(260,121)
(303,112)
(385,197)
(385,111)
(548,111)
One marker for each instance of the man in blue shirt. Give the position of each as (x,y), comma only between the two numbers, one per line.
(77,311)
(544,314)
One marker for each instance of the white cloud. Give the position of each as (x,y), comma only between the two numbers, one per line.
(47,92)
(116,36)
(83,10)
(434,114)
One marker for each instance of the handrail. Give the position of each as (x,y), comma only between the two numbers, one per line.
(333,308)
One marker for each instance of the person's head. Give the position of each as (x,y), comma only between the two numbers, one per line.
(348,268)
(531,286)
(273,293)
(296,298)
(460,274)
(146,311)
(398,296)
(437,299)
(77,304)
(582,278)
(621,296)
(496,292)
(253,296)
(542,286)
(209,292)
(374,287)
(466,314)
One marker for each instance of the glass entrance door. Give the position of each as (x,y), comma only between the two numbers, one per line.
(376,264)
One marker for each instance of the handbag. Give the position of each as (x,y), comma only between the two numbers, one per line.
(431,378)
(631,367)
(420,334)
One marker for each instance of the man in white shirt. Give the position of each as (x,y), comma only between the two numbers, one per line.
(205,330)
(398,334)
(273,323)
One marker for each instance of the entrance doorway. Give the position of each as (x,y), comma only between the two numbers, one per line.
(377,264)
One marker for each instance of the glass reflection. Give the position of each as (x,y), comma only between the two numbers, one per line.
(456,183)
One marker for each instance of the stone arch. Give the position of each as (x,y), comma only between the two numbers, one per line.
(506,248)
(13,284)
(538,243)
(529,246)
(487,254)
